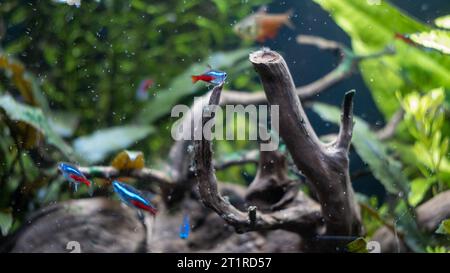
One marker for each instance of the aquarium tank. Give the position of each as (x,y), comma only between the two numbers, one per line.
(224,126)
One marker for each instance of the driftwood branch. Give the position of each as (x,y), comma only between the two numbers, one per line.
(144,174)
(303,218)
(346,129)
(389,129)
(246,158)
(326,167)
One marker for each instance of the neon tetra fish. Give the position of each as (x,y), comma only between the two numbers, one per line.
(142,91)
(211,76)
(262,25)
(133,198)
(405,38)
(185,227)
(75,177)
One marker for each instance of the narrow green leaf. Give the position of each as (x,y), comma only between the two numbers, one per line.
(6,221)
(419,188)
(357,246)
(444,227)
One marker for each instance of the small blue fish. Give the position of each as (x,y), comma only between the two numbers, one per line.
(133,197)
(142,91)
(185,227)
(211,76)
(75,177)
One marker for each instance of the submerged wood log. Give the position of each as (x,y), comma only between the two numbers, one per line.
(96,224)
(103,225)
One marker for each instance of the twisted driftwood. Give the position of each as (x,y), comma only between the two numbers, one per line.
(325,166)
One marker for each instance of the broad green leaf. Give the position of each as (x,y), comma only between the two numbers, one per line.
(63,123)
(6,221)
(222,5)
(357,246)
(24,81)
(436,39)
(34,117)
(182,86)
(419,187)
(372,28)
(444,227)
(128,160)
(410,156)
(96,147)
(443,22)
(372,151)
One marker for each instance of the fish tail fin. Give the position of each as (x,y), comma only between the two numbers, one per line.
(288,21)
(195,78)
(153,210)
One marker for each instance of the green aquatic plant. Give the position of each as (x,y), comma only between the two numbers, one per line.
(372,28)
(424,120)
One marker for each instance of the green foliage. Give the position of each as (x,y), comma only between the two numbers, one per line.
(6,221)
(93,64)
(444,227)
(373,27)
(424,119)
(443,22)
(373,213)
(357,246)
(436,39)
(437,249)
(372,151)
(33,116)
(64,123)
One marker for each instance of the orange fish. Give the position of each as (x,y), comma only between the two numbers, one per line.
(262,25)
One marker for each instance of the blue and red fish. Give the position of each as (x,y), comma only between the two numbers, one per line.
(133,198)
(75,177)
(405,38)
(142,91)
(185,227)
(214,77)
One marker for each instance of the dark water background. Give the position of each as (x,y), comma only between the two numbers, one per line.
(308,63)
